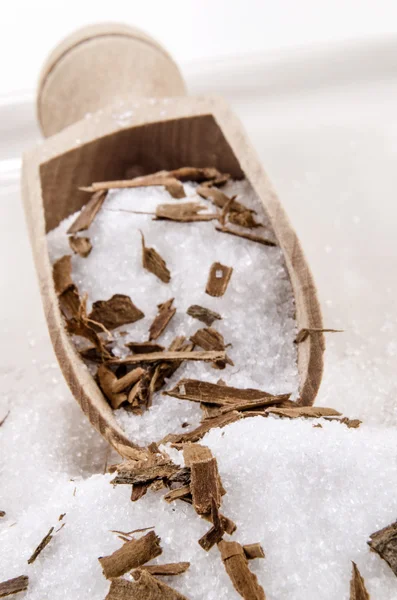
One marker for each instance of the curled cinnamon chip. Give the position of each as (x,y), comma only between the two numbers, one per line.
(205,315)
(118,310)
(13,586)
(244,581)
(80,245)
(132,554)
(88,212)
(358,591)
(152,261)
(218,279)
(164,316)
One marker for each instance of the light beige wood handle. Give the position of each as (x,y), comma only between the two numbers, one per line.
(97,65)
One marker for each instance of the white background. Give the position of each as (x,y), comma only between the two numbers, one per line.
(191,30)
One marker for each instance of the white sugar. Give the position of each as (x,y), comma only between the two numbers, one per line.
(257,309)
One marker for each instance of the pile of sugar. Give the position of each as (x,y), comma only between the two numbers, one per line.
(257,309)
(323,491)
(310,496)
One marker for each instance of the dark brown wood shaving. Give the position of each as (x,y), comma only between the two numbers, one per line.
(248,236)
(167,356)
(384,543)
(146,471)
(132,554)
(205,315)
(2,514)
(144,347)
(145,587)
(154,263)
(80,245)
(88,212)
(171,184)
(358,591)
(118,310)
(93,354)
(244,581)
(202,429)
(220,199)
(44,542)
(304,333)
(252,551)
(184,212)
(167,570)
(138,491)
(218,279)
(212,393)
(198,174)
(165,313)
(215,534)
(314,412)
(13,586)
(210,339)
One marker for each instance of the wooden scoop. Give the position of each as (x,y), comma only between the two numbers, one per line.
(92,108)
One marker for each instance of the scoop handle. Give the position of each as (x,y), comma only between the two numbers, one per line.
(97,65)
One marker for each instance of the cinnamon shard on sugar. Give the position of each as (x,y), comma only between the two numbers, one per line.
(169,356)
(131,555)
(167,570)
(314,412)
(13,586)
(153,262)
(165,313)
(246,235)
(236,565)
(218,279)
(210,339)
(118,310)
(80,245)
(358,591)
(202,429)
(215,534)
(243,219)
(88,213)
(212,393)
(384,543)
(252,551)
(185,212)
(205,315)
(44,542)
(145,587)
(171,184)
(304,333)
(220,199)
(198,174)
(145,471)
(144,347)
(205,483)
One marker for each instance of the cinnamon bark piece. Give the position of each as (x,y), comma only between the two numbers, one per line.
(131,555)
(165,313)
(358,591)
(171,184)
(167,570)
(252,551)
(88,212)
(205,315)
(168,356)
(313,412)
(210,339)
(118,310)
(220,199)
(178,494)
(44,542)
(244,581)
(218,279)
(153,262)
(80,245)
(212,393)
(384,543)
(13,586)
(184,212)
(144,347)
(145,587)
(215,534)
(246,235)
